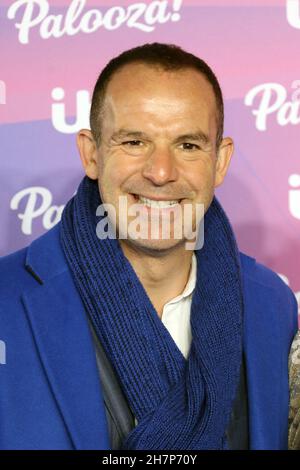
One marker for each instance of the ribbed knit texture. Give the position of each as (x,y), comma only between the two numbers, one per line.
(179,404)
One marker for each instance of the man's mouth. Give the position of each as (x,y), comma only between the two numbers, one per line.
(156,203)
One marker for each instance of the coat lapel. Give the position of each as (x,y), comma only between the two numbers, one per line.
(64,342)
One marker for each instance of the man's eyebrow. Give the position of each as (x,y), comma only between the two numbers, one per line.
(198,135)
(134,134)
(121,133)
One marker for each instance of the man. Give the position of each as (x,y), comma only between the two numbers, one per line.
(139,342)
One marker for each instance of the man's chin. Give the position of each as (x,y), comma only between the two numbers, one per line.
(155,247)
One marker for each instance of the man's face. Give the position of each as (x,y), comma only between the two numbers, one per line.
(158,143)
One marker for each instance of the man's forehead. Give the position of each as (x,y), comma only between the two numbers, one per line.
(138,75)
(150,89)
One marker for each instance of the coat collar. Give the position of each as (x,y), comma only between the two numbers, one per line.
(45,258)
(64,342)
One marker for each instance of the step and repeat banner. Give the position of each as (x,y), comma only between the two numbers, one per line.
(51,55)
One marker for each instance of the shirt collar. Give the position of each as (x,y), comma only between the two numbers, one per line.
(191,283)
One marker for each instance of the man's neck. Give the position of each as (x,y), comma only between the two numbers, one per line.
(162,276)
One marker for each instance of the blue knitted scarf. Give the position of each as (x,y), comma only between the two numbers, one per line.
(179,404)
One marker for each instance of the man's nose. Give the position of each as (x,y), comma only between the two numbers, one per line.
(160,167)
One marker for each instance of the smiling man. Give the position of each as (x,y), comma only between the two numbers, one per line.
(137,341)
(157,144)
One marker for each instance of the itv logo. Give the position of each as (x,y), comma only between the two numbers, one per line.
(59,113)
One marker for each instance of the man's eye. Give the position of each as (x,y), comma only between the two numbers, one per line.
(132,143)
(189,146)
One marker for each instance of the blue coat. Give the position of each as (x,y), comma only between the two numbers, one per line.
(50,393)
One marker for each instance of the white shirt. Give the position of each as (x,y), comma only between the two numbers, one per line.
(176,313)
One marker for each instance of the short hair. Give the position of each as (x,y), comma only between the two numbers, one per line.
(165,56)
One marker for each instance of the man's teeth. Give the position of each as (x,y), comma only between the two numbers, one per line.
(158,204)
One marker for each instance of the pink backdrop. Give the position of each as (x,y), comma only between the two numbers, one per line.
(51,55)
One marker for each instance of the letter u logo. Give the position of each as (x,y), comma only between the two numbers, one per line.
(293,13)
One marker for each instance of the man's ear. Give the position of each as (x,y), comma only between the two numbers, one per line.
(224,155)
(88,152)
